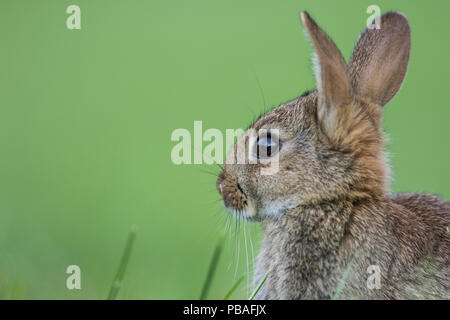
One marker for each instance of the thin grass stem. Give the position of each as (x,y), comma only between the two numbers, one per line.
(212,267)
(233,288)
(117,284)
(341,283)
(252,296)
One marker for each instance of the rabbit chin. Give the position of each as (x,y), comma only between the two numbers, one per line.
(270,209)
(276,208)
(248,214)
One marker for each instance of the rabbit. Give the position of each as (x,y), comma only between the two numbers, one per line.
(331,227)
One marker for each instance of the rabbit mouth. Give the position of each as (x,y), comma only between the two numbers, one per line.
(235,198)
(240,190)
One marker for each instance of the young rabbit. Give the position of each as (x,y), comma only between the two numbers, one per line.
(327,208)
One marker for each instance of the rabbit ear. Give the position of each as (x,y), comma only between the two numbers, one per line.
(333,81)
(380,59)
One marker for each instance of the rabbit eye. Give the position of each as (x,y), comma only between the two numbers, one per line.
(267,145)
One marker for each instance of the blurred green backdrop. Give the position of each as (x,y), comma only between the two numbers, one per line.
(86,118)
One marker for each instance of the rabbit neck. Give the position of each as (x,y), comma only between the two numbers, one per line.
(325,223)
(306,243)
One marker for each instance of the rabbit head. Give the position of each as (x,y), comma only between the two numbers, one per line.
(328,144)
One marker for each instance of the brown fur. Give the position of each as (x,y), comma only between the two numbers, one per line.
(328,207)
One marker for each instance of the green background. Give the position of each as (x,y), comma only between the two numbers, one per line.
(86,118)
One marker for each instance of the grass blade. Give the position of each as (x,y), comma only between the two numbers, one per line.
(344,278)
(212,266)
(233,288)
(123,265)
(252,296)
